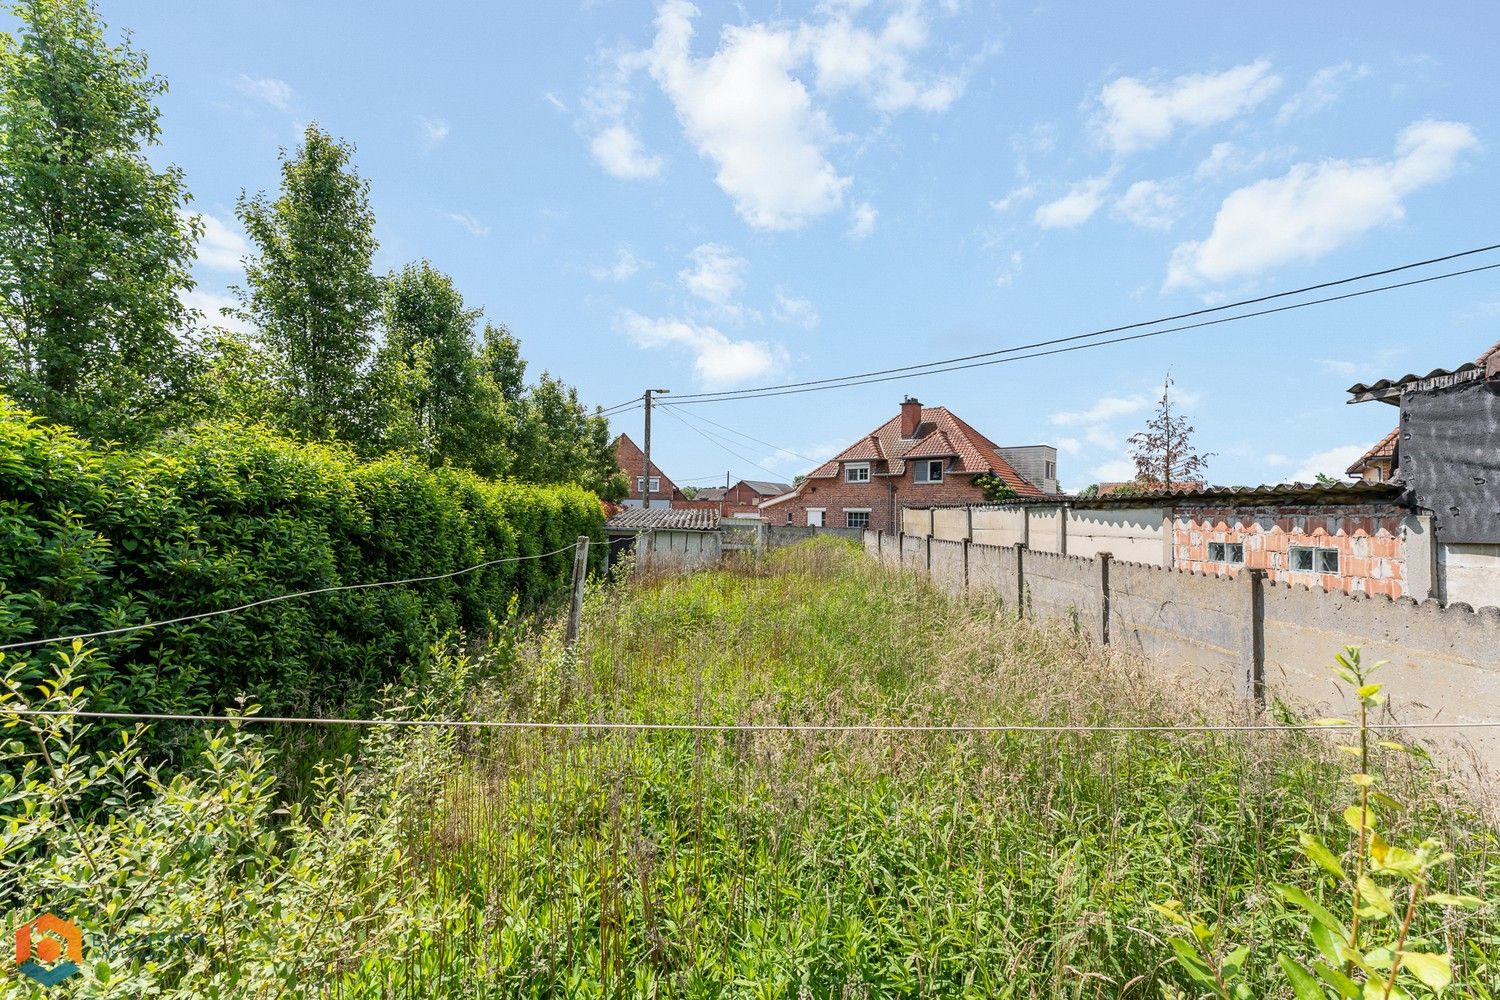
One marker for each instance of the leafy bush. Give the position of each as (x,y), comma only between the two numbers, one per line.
(94,539)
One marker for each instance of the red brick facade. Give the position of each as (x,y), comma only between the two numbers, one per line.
(1366,538)
(884,465)
(631,461)
(741,499)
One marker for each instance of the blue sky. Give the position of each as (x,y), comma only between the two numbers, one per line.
(728,195)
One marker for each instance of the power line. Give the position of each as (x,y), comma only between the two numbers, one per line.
(699,416)
(853,379)
(729,727)
(282,597)
(908,373)
(715,440)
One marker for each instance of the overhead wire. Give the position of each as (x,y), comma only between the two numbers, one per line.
(716,441)
(126,629)
(748,437)
(909,373)
(734,727)
(852,379)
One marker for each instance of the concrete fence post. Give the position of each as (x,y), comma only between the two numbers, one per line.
(1104,561)
(966,565)
(927,552)
(1020,580)
(1253,657)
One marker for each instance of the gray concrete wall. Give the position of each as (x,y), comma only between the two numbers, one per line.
(1059,586)
(1191,624)
(951,523)
(1235,633)
(1133,535)
(1003,526)
(680,549)
(916,520)
(1046,529)
(1444,662)
(992,570)
(914,553)
(774,536)
(948,562)
(1470,574)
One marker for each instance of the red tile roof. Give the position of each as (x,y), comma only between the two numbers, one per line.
(1384,448)
(940,434)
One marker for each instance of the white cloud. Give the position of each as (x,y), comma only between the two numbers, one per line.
(816,453)
(1275,459)
(474,227)
(1010,271)
(620,152)
(626,266)
(1136,115)
(744,109)
(1323,90)
(717,360)
(1119,470)
(1148,204)
(211,305)
(717,274)
(555,101)
(1014,197)
(433,130)
(277,93)
(879,63)
(794,310)
(221,247)
(1339,367)
(1076,207)
(863,220)
(1105,409)
(1226,158)
(1069,446)
(1332,462)
(1316,208)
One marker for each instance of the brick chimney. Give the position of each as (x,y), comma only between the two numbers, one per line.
(911,416)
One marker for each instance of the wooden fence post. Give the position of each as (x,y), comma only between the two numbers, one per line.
(1253,657)
(580,574)
(1104,561)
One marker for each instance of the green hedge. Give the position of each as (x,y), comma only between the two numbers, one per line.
(93,539)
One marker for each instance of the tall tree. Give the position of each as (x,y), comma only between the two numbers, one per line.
(94,247)
(1164,454)
(310,290)
(453,414)
(559,441)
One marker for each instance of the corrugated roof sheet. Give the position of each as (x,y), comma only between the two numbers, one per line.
(1384,448)
(1309,494)
(664,519)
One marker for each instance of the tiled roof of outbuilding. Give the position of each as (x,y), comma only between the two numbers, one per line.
(1384,448)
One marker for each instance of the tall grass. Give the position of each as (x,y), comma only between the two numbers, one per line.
(774,863)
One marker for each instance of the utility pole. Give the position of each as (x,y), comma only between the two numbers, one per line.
(646,473)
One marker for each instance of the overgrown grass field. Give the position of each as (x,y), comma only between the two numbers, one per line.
(752,863)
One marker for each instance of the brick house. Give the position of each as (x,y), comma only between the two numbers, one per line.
(925,456)
(1378,465)
(631,460)
(743,499)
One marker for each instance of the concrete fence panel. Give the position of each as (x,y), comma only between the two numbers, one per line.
(1192,624)
(949,565)
(1004,526)
(916,521)
(1059,586)
(1131,535)
(914,553)
(951,523)
(1444,662)
(1046,529)
(993,570)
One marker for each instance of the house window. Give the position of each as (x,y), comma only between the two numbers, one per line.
(789,518)
(929,470)
(1307,559)
(857,472)
(815,517)
(640,484)
(856,518)
(1051,472)
(1229,553)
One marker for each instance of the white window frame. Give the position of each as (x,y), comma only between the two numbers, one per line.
(820,511)
(1228,555)
(850,468)
(1318,556)
(927,464)
(640,484)
(857,510)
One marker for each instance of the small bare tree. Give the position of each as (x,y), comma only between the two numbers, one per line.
(1163,452)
